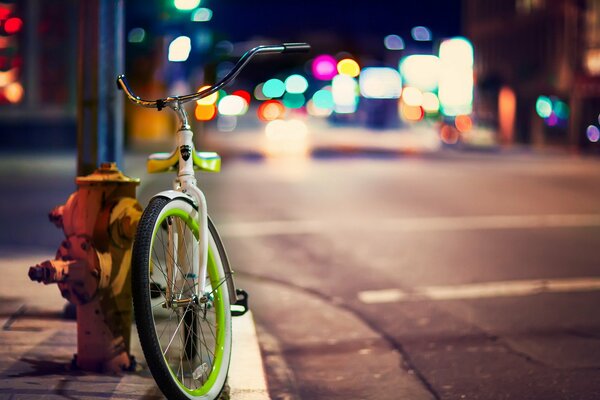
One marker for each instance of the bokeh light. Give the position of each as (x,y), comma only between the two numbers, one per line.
(316,111)
(344,92)
(455,87)
(205,112)
(463,123)
(380,83)
(393,42)
(273,88)
(186,4)
(349,67)
(232,105)
(258,92)
(271,110)
(208,100)
(14,92)
(324,67)
(449,135)
(412,96)
(202,15)
(179,49)
(543,106)
(411,113)
(13,25)
(293,100)
(431,104)
(296,84)
(323,99)
(292,129)
(420,33)
(593,133)
(243,94)
(136,35)
(421,71)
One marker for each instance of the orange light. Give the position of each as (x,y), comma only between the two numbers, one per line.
(271,110)
(205,112)
(243,94)
(463,123)
(14,92)
(411,113)
(449,135)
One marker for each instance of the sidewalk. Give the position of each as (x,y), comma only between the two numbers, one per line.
(37,346)
(36,343)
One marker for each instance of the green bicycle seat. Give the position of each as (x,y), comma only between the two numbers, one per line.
(207,161)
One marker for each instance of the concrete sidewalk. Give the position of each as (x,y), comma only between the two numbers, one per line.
(37,346)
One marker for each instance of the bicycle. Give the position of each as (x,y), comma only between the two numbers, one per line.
(182,282)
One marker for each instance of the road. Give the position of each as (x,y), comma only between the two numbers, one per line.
(447,276)
(309,238)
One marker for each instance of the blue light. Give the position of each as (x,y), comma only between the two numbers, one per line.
(421,34)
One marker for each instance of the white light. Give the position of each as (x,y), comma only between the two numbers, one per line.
(380,83)
(296,84)
(431,104)
(186,4)
(293,129)
(232,105)
(421,71)
(179,49)
(343,89)
(456,76)
(412,96)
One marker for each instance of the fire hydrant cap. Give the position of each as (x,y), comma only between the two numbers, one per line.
(108,172)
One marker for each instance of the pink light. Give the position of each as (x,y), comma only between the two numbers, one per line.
(552,120)
(324,67)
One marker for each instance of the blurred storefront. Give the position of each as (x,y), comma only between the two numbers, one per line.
(537,68)
(38,45)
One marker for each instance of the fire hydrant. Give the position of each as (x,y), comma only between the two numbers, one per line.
(92,267)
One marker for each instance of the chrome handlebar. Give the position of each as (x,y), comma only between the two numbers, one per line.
(176,101)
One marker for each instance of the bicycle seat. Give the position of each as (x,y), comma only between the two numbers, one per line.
(207,161)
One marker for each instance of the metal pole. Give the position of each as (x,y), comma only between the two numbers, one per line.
(100,108)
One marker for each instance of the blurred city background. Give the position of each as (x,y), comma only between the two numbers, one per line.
(448,73)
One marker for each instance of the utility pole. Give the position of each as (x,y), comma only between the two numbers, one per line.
(100,105)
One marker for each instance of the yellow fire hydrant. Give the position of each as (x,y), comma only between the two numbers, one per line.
(92,266)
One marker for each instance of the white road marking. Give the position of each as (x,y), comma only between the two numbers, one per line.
(246,373)
(482,290)
(426,224)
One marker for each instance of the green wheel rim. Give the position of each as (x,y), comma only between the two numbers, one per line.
(218,302)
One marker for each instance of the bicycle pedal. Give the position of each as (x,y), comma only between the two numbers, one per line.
(241,305)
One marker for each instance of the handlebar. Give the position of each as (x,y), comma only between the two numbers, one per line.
(162,103)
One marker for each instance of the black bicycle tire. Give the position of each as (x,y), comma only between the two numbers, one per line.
(140,279)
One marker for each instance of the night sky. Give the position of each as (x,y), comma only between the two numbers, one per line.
(291,20)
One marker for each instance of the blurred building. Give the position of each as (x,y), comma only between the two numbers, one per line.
(38,45)
(537,68)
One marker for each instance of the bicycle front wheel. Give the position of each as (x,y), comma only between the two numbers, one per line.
(185,335)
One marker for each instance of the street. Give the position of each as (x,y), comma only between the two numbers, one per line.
(307,237)
(443,276)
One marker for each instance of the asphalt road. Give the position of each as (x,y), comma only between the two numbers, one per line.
(450,276)
(307,237)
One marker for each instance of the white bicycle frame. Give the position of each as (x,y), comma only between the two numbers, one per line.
(186,180)
(186,183)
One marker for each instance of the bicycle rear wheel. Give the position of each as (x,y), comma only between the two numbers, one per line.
(186,339)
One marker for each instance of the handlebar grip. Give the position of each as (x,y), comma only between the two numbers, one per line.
(118,81)
(296,48)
